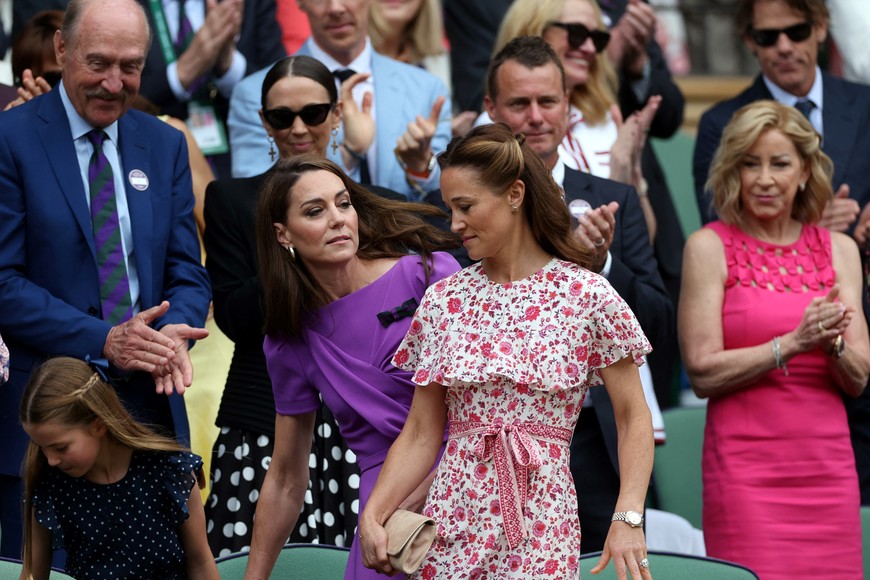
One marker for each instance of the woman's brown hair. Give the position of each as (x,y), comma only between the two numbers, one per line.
(499,158)
(387,229)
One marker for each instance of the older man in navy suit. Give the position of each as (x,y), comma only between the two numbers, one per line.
(99,256)
(526,90)
(785,36)
(409,115)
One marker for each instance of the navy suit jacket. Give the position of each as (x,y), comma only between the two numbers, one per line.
(259,42)
(846,123)
(49,288)
(633,274)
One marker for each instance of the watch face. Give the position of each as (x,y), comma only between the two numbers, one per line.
(633,518)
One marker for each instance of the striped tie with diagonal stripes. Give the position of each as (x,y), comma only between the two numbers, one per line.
(112,268)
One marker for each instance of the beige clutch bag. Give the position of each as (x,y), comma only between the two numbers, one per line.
(409,536)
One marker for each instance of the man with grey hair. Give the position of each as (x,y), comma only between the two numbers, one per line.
(99,256)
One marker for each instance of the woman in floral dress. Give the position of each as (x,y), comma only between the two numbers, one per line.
(504,351)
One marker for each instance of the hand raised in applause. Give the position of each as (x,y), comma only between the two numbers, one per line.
(841,212)
(31,87)
(414,147)
(629,38)
(213,44)
(359,125)
(595,230)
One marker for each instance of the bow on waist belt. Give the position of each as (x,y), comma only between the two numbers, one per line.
(514,454)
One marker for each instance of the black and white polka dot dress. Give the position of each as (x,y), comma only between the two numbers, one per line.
(240,460)
(126,529)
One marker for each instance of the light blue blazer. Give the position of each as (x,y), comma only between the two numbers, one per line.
(403,92)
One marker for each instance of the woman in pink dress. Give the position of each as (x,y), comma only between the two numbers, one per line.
(505,351)
(771,333)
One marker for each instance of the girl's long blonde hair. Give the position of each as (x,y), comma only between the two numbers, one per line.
(68,391)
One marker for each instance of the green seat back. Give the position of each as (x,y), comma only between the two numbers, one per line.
(674,567)
(865,527)
(675,157)
(11,569)
(677,465)
(308,561)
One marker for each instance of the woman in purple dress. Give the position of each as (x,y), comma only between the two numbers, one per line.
(341,286)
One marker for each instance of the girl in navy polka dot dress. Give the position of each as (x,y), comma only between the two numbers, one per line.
(122,500)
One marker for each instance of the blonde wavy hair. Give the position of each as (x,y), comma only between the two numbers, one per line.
(741,133)
(532,18)
(422,37)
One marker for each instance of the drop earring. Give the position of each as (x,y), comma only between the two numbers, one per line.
(803,185)
(272,149)
(334,140)
(291,251)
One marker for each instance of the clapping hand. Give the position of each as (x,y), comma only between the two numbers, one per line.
(359,125)
(629,38)
(31,87)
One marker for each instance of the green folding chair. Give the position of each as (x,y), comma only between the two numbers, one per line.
(674,567)
(11,568)
(308,561)
(865,526)
(677,467)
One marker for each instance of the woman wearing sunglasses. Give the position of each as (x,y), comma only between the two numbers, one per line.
(301,112)
(598,141)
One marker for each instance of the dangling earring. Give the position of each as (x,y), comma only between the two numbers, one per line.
(272,149)
(334,140)
(292,252)
(803,185)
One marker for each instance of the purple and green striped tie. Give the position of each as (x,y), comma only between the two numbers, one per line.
(112,268)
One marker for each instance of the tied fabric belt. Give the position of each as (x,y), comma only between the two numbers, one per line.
(514,454)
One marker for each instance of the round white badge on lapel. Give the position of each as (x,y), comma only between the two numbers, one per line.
(579,207)
(138,179)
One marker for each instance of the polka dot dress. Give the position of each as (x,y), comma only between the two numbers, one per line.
(126,529)
(240,460)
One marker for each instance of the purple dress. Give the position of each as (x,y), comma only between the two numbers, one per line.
(344,356)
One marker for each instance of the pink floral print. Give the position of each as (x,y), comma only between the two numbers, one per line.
(517,360)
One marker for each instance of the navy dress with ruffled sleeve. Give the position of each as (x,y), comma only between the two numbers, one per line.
(126,529)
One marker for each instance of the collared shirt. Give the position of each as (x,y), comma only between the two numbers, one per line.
(80,129)
(816,95)
(195,11)
(361,64)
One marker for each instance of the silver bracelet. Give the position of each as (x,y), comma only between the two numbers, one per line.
(777,354)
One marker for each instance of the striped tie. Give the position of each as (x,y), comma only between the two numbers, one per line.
(114,284)
(185,29)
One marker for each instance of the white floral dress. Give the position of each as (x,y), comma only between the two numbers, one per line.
(516,360)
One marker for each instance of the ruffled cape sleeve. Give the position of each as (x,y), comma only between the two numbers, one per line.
(179,476)
(569,328)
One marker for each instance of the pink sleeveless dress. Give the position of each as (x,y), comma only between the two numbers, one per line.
(780,486)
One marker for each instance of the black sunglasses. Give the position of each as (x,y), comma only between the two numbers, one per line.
(311,115)
(577,35)
(769,36)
